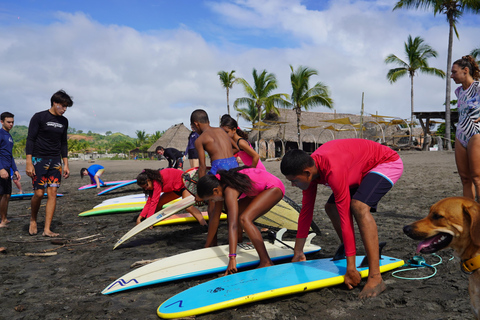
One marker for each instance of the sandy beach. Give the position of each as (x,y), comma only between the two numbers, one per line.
(67,285)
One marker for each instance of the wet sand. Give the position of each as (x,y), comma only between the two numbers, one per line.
(67,285)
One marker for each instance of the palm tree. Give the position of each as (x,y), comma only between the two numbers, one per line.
(141,137)
(475,53)
(453,9)
(305,97)
(260,95)
(417,53)
(227,80)
(249,113)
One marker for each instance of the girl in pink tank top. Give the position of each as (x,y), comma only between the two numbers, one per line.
(248,193)
(247,154)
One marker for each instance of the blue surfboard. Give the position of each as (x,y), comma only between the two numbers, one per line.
(105,184)
(117,187)
(265,283)
(28,195)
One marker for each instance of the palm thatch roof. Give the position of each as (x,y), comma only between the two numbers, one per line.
(175,137)
(313,125)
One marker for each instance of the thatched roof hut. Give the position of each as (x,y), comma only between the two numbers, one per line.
(175,137)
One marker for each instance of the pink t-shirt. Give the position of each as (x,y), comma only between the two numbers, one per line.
(342,164)
(172,181)
(246,158)
(262,180)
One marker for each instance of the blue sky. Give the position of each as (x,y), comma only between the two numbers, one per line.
(146,64)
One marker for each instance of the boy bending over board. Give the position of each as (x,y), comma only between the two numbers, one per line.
(359,172)
(218,145)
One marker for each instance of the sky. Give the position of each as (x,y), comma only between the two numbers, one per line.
(147,64)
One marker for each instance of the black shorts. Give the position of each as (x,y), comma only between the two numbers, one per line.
(179,193)
(372,188)
(192,154)
(48,173)
(6,185)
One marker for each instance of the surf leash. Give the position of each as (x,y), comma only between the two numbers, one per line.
(419,262)
(273,236)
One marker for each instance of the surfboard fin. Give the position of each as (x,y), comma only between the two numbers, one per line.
(340,253)
(364,263)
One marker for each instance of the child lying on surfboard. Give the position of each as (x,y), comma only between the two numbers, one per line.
(248,193)
(170,182)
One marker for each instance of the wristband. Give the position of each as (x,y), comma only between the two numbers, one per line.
(232,255)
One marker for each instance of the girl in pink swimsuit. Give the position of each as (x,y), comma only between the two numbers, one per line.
(248,193)
(247,154)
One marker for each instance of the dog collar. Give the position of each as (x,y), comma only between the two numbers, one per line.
(469,266)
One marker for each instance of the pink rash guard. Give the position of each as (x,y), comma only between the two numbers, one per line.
(342,164)
(262,180)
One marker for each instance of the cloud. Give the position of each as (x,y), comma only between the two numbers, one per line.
(125,80)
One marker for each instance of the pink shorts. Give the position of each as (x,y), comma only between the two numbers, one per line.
(392,171)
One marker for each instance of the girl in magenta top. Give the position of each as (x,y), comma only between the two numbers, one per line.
(247,154)
(163,186)
(248,193)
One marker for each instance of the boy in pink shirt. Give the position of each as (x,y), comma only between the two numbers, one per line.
(359,172)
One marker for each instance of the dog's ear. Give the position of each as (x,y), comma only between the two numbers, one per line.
(474,213)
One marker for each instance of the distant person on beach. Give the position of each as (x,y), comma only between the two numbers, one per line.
(247,154)
(7,165)
(218,146)
(173,156)
(46,148)
(248,193)
(191,151)
(163,186)
(94,172)
(359,172)
(466,72)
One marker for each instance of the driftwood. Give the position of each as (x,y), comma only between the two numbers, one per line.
(41,254)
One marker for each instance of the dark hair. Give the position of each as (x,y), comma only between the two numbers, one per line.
(229,122)
(295,161)
(149,174)
(231,178)
(159,148)
(81,172)
(6,114)
(199,116)
(472,65)
(62,98)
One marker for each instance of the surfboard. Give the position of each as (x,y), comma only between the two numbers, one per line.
(202,262)
(28,195)
(186,217)
(119,208)
(132,198)
(261,284)
(159,216)
(115,187)
(105,184)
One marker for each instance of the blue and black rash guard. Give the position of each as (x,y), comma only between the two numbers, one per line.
(47,136)
(6,145)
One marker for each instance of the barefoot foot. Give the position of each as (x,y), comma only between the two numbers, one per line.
(50,234)
(32,230)
(372,289)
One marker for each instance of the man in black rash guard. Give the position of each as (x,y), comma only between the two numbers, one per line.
(173,156)
(45,149)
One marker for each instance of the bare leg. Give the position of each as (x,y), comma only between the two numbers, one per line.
(49,211)
(194,210)
(473,151)
(463,168)
(35,205)
(369,233)
(332,212)
(258,206)
(3,209)
(214,212)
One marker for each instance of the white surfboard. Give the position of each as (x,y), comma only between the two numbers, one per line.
(132,198)
(159,216)
(201,262)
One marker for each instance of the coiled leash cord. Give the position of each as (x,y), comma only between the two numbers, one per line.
(419,262)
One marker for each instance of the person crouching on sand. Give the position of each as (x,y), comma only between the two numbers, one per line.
(248,193)
(170,182)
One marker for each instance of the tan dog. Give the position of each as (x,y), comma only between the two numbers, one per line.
(453,222)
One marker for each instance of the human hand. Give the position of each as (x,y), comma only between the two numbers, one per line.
(30,169)
(232,266)
(4,174)
(352,278)
(66,172)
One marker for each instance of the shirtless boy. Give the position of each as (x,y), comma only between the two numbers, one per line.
(218,145)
